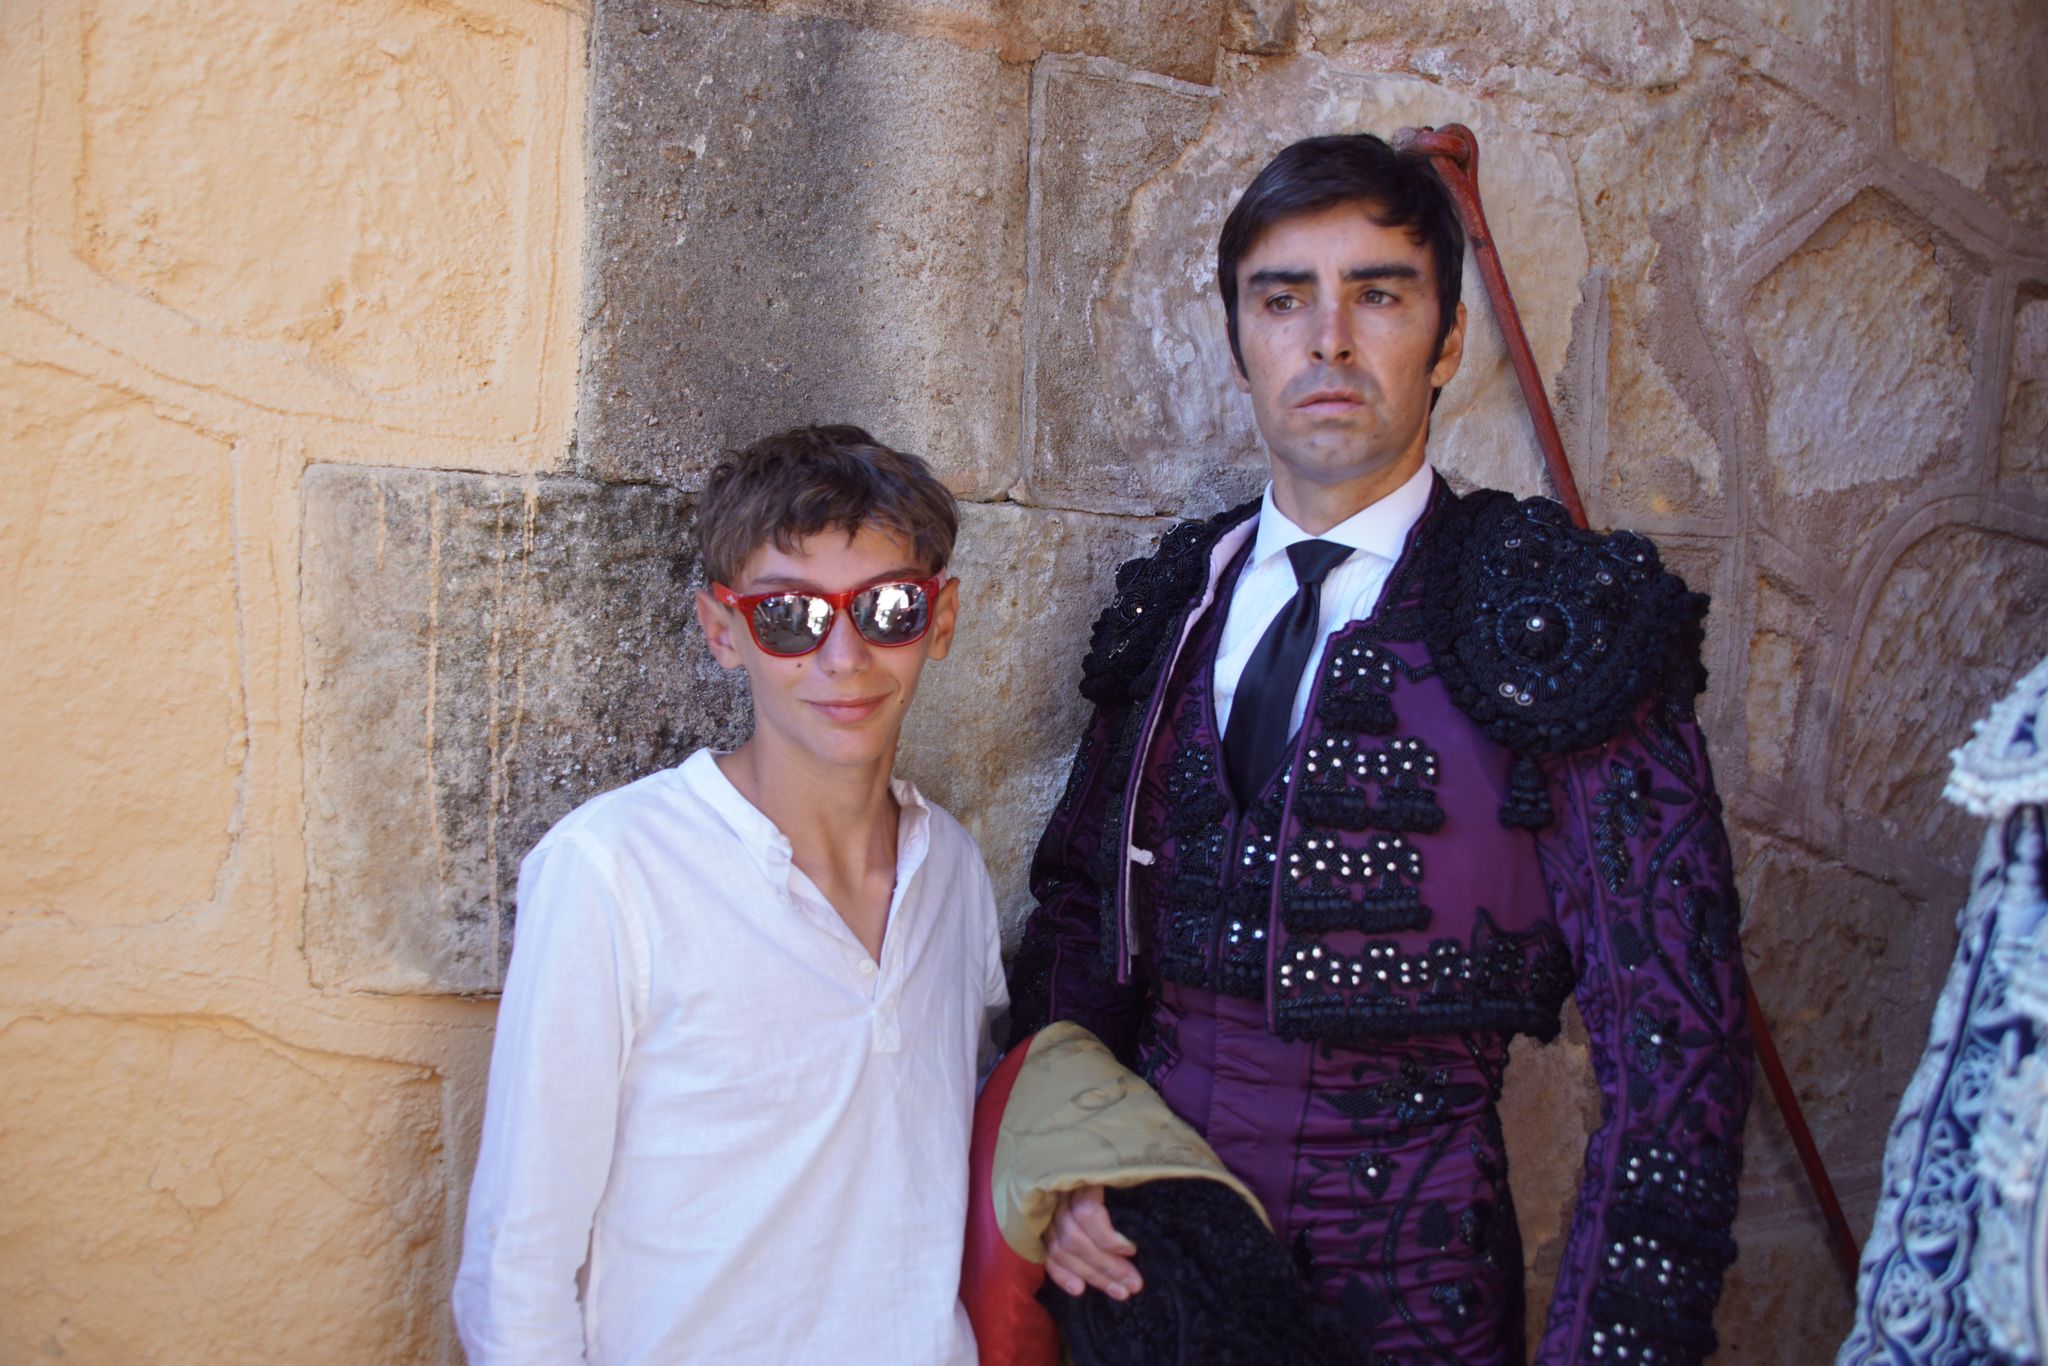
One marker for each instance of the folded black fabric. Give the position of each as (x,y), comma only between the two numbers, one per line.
(1219,1290)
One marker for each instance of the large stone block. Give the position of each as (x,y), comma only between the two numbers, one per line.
(2023,445)
(797,219)
(993,731)
(284,269)
(363,213)
(1176,38)
(121,679)
(1864,339)
(184,1191)
(482,654)
(1970,96)
(1098,135)
(1179,437)
(1958,616)
(1676,200)
(1613,42)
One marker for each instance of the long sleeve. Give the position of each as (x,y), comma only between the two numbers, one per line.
(1643,885)
(565,1028)
(1065,968)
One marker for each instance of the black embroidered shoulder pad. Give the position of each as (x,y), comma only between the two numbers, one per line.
(1549,636)
(1151,591)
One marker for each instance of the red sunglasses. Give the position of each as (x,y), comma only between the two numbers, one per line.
(794,622)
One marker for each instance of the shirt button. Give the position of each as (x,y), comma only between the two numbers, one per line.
(867,967)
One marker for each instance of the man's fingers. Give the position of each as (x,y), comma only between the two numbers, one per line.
(1092,1215)
(1084,1247)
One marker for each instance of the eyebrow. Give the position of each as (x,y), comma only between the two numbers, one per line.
(1294,275)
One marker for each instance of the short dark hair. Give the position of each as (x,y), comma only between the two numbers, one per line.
(811,479)
(1400,190)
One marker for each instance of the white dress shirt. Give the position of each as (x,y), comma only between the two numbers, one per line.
(743,1137)
(1350,592)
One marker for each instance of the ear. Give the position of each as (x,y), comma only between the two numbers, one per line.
(1453,352)
(945,616)
(719,628)
(1238,378)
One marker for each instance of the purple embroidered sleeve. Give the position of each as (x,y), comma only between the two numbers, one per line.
(1640,873)
(1065,969)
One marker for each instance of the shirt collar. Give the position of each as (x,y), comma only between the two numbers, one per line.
(1379,528)
(769,847)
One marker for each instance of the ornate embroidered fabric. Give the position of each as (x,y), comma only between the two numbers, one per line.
(1548,636)
(1956,1268)
(1370,870)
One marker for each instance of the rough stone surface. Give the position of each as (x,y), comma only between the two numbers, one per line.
(1180,438)
(1825,28)
(1851,966)
(1096,134)
(1613,42)
(1959,616)
(161,80)
(2023,445)
(414,282)
(141,1226)
(1675,203)
(995,723)
(1784,1302)
(1172,37)
(482,654)
(1262,26)
(1970,96)
(1863,336)
(1784,658)
(797,219)
(1549,1107)
(120,683)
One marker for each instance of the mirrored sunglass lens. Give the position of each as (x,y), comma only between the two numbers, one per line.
(792,623)
(891,613)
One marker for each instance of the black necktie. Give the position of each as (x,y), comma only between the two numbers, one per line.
(1262,713)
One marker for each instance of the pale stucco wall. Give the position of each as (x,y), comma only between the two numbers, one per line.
(237,239)
(345,501)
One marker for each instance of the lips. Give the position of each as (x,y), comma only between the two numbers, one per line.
(1331,400)
(850,710)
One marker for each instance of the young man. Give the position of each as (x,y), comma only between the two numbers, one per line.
(1377,776)
(735,1062)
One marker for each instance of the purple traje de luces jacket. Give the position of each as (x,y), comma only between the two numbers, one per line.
(1498,797)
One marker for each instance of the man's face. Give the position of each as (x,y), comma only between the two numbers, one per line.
(1337,319)
(843,703)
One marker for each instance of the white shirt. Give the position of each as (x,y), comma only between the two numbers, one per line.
(753,1134)
(1376,535)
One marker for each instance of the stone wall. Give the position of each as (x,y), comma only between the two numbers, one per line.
(257,258)
(323,605)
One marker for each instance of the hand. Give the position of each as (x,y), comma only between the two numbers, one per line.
(1082,1248)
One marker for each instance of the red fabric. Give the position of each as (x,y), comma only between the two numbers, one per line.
(999,1287)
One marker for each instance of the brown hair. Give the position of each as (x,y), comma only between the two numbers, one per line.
(809,479)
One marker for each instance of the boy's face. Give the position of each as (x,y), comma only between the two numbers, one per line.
(841,705)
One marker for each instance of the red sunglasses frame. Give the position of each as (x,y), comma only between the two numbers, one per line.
(840,601)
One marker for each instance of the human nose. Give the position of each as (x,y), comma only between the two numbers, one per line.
(1332,340)
(844,649)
